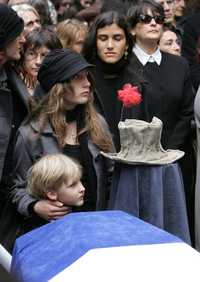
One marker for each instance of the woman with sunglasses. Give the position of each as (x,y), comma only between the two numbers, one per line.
(109,47)
(169,93)
(168,84)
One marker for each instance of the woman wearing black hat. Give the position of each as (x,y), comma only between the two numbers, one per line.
(64,120)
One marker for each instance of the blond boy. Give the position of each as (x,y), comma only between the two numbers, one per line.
(57,178)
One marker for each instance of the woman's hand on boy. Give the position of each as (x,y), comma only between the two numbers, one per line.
(50,210)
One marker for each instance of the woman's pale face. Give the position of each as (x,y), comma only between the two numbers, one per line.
(170,43)
(14,48)
(33,59)
(147,33)
(31,21)
(169,9)
(111,43)
(179,7)
(80,90)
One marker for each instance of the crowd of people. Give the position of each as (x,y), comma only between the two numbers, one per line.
(62,63)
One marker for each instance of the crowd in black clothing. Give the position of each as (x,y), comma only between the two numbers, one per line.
(53,50)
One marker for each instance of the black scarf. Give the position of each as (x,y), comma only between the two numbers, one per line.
(89,175)
(75,114)
(113,70)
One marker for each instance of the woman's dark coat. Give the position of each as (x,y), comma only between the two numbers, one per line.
(17,89)
(168,95)
(30,147)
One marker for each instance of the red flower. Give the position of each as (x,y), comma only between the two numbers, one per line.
(129,95)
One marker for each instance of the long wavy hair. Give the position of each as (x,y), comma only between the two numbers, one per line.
(52,108)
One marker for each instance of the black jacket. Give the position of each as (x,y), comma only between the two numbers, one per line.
(13,110)
(30,146)
(168,95)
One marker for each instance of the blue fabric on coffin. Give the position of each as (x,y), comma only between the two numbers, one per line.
(152,193)
(42,253)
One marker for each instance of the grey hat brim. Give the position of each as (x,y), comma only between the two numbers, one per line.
(168,157)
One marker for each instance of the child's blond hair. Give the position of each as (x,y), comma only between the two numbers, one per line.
(50,172)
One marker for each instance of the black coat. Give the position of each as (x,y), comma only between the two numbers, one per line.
(168,95)
(17,93)
(13,110)
(30,146)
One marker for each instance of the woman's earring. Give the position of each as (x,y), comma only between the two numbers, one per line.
(126,54)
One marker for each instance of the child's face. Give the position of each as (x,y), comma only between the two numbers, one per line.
(72,195)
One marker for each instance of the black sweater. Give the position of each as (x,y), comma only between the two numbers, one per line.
(108,80)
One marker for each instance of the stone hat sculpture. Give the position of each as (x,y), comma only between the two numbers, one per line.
(140,144)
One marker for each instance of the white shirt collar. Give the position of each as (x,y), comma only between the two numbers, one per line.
(144,58)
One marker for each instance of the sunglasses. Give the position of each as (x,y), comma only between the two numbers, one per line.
(147,19)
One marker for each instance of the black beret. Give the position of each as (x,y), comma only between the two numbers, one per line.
(11,25)
(59,66)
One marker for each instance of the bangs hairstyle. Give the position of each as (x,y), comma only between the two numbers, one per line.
(50,172)
(34,40)
(42,38)
(70,30)
(142,8)
(103,20)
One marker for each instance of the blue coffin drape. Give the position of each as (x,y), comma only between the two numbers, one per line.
(44,252)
